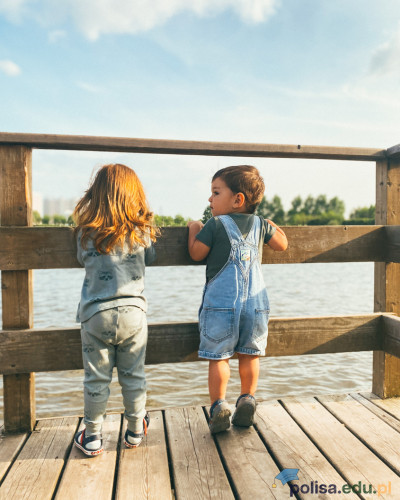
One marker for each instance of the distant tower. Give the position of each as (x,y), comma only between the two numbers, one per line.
(59,206)
(37,203)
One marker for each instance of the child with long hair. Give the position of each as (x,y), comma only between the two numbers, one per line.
(233,316)
(114,229)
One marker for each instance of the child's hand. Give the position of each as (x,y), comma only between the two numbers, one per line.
(197,250)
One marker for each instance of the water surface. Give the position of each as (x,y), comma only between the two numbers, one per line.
(174,294)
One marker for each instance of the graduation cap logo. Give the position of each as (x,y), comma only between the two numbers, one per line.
(286,475)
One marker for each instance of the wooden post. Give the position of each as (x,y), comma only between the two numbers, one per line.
(386,368)
(17,292)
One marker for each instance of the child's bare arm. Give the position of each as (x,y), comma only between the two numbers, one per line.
(278,241)
(197,249)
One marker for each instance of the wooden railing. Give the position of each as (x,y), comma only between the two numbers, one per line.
(25,350)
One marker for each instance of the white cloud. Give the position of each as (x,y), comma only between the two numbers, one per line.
(9,68)
(386,58)
(97,17)
(13,9)
(255,11)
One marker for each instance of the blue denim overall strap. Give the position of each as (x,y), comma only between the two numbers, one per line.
(235,308)
(244,251)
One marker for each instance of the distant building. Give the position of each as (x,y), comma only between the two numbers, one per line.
(59,206)
(37,203)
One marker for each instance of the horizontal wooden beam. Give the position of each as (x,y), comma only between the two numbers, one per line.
(51,350)
(314,244)
(206,148)
(394,151)
(54,247)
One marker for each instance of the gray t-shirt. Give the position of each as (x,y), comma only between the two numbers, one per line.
(213,235)
(113,279)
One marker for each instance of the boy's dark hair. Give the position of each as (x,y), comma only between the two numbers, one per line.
(244,179)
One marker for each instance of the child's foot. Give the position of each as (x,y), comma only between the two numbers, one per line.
(90,445)
(133,439)
(220,413)
(245,410)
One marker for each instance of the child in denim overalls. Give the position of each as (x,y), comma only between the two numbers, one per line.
(233,316)
(114,233)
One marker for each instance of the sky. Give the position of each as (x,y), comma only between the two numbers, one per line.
(311,72)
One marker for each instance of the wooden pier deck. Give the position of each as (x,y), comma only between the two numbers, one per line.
(331,440)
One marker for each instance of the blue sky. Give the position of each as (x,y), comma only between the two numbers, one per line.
(274,71)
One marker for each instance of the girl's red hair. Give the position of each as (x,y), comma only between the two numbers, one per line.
(114,209)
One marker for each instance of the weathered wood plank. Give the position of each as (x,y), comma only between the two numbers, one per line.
(17,288)
(390,405)
(143,473)
(17,299)
(293,450)
(54,247)
(85,477)
(251,469)
(392,293)
(312,244)
(36,471)
(10,445)
(207,148)
(19,401)
(386,368)
(380,358)
(323,334)
(380,218)
(38,248)
(178,342)
(367,426)
(197,468)
(383,415)
(393,218)
(351,458)
(16,186)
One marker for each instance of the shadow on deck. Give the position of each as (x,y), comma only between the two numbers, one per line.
(332,440)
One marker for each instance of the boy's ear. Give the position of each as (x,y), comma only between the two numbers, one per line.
(239,200)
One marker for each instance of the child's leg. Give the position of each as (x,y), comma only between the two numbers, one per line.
(249,369)
(130,357)
(220,412)
(98,361)
(218,377)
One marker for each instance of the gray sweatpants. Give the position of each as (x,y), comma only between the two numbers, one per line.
(114,337)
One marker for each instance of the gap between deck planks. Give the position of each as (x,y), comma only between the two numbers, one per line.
(331,440)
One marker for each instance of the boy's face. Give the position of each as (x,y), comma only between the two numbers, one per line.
(223,200)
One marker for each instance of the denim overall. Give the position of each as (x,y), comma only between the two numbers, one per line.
(233,316)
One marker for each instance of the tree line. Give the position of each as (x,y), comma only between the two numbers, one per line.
(61,220)
(51,220)
(310,211)
(318,211)
(314,211)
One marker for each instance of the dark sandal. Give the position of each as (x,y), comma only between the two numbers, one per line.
(80,441)
(137,435)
